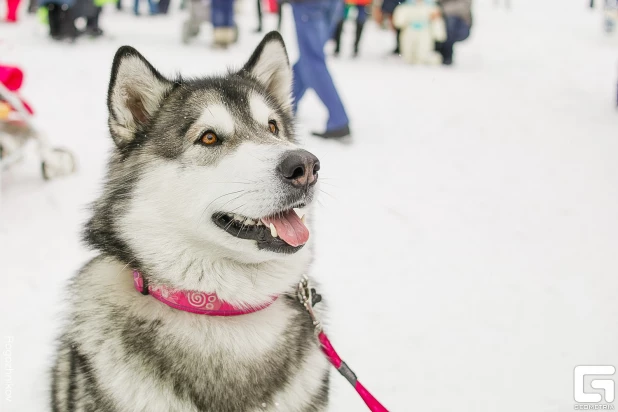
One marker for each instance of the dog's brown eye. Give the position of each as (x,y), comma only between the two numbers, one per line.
(209,138)
(272,126)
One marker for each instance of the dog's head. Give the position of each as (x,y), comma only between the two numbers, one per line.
(204,166)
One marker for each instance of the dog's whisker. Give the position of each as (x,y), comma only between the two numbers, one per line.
(227,194)
(326,193)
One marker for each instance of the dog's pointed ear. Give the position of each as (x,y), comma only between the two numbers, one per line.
(270,66)
(136,90)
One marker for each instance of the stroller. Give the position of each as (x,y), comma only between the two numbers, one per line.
(200,11)
(16,129)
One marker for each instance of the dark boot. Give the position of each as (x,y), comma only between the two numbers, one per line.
(398,33)
(337,37)
(92,25)
(55,21)
(359,33)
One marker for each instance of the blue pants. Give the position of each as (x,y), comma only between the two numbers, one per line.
(315,22)
(456,30)
(222,13)
(154,9)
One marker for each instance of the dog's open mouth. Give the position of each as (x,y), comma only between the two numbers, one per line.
(284,232)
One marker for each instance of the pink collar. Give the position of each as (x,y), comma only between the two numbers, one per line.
(200,303)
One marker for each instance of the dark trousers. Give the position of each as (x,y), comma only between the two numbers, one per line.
(92,22)
(164,5)
(361,18)
(457,29)
(259,11)
(61,21)
(315,21)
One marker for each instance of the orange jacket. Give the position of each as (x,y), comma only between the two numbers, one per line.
(358,2)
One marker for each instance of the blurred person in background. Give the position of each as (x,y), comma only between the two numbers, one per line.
(361,18)
(458,20)
(315,22)
(11,14)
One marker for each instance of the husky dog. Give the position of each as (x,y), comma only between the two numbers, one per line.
(206,191)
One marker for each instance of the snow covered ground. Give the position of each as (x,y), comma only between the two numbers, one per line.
(467,239)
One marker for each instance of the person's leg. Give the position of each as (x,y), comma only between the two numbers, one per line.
(456,30)
(461,29)
(312,30)
(280,14)
(163,6)
(361,17)
(337,37)
(446,49)
(12,6)
(136,7)
(92,24)
(67,23)
(154,7)
(334,11)
(53,18)
(259,14)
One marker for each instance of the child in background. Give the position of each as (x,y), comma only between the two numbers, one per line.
(361,18)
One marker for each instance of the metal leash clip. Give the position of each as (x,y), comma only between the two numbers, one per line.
(308,297)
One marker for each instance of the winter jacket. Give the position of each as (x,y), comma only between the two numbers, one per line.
(358,2)
(459,8)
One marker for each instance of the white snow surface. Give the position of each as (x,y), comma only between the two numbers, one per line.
(467,240)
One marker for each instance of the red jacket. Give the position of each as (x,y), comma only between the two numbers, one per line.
(358,2)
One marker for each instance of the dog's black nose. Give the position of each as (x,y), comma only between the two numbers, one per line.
(299,168)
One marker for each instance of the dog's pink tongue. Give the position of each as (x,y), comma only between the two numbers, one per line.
(289,228)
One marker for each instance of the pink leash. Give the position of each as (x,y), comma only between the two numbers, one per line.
(308,298)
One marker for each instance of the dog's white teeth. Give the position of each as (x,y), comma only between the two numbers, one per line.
(238,218)
(300,214)
(302,219)
(250,222)
(273,231)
